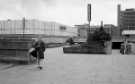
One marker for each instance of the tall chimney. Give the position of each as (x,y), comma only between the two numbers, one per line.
(118,14)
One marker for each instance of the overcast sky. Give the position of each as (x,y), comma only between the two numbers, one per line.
(69,12)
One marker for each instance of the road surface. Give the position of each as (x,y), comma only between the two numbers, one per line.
(61,68)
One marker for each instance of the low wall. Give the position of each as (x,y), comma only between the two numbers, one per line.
(15,48)
(92,48)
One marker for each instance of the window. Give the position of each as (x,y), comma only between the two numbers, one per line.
(62,28)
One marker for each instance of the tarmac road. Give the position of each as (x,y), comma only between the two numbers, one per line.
(60,68)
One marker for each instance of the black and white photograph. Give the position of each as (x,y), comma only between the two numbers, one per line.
(67,41)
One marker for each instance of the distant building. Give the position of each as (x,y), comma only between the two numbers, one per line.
(83,29)
(114,32)
(126,19)
(33,26)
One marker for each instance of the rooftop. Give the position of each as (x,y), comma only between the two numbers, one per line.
(130,9)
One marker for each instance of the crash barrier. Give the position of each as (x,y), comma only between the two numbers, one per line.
(15,48)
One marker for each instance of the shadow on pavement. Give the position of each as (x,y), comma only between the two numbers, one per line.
(11,63)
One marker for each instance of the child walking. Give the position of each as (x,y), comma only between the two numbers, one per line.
(40,48)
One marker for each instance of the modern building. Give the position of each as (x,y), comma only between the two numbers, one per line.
(33,26)
(126,19)
(52,32)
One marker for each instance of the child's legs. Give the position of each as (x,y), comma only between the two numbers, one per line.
(41,62)
(40,57)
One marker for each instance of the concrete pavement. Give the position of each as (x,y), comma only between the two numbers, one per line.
(60,68)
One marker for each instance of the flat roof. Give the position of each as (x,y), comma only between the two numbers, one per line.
(128,32)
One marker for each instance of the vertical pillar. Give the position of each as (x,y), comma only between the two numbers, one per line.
(23,26)
(89,16)
(119,18)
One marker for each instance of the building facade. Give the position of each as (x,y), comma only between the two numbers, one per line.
(126,19)
(33,26)
(82,30)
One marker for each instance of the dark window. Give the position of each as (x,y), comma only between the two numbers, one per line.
(62,28)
